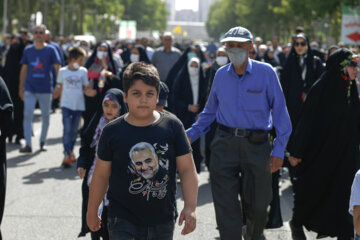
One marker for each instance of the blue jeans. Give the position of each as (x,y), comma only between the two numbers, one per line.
(121,229)
(70,121)
(44,100)
(356,237)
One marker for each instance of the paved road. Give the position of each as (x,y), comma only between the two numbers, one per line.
(43,200)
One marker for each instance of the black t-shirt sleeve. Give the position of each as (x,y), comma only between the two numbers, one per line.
(104,151)
(182,145)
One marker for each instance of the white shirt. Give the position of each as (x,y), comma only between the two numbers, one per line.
(355,193)
(73,82)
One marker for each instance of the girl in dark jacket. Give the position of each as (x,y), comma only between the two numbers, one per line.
(113,106)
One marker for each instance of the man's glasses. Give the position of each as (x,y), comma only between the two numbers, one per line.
(352,64)
(300,43)
(36,32)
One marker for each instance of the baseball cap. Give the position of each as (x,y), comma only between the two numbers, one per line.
(163,96)
(238,34)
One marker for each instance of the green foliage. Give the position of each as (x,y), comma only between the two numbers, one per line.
(99,17)
(267,18)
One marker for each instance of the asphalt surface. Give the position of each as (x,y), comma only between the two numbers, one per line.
(43,200)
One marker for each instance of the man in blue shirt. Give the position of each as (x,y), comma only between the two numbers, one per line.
(36,84)
(247,101)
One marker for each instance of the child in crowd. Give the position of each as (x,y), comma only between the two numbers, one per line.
(112,107)
(72,83)
(138,155)
(354,206)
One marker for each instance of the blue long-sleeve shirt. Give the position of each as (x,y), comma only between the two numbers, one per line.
(253,101)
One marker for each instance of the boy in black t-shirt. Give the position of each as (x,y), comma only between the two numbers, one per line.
(139,154)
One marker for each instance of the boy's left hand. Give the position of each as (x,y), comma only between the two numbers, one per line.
(189,216)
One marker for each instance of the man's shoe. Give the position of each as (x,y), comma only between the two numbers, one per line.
(42,147)
(297,232)
(72,156)
(26,149)
(66,163)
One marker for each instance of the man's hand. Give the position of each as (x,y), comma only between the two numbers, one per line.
(194,108)
(275,163)
(189,216)
(81,172)
(93,221)
(21,94)
(294,161)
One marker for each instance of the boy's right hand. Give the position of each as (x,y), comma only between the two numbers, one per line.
(93,221)
(189,216)
(81,172)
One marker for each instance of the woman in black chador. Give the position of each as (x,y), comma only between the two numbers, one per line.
(11,78)
(326,149)
(300,72)
(6,108)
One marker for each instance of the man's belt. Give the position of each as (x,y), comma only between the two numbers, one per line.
(238,132)
(255,136)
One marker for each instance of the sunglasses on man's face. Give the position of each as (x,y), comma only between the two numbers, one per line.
(36,32)
(352,64)
(300,43)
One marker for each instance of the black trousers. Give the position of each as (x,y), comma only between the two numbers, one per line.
(232,157)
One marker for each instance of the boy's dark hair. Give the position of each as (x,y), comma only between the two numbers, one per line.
(141,71)
(76,52)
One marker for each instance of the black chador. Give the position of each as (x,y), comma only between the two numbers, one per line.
(327,141)
(6,108)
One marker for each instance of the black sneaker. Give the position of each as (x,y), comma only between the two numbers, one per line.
(26,149)
(297,232)
(42,147)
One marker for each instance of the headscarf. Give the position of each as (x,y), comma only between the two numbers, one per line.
(194,79)
(90,64)
(115,95)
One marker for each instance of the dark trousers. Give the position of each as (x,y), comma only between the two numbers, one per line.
(121,229)
(232,157)
(197,155)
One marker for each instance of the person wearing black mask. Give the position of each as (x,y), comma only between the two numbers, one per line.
(326,149)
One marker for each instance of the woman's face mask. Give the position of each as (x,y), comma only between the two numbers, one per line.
(193,71)
(100,54)
(221,60)
(191,55)
(134,58)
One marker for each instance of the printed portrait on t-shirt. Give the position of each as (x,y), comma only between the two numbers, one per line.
(149,171)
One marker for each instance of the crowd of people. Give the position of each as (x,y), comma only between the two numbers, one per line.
(257,106)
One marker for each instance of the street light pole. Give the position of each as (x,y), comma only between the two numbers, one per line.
(62,18)
(4,18)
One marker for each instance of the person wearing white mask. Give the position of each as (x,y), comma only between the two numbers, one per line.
(247,102)
(72,83)
(137,54)
(102,74)
(189,93)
